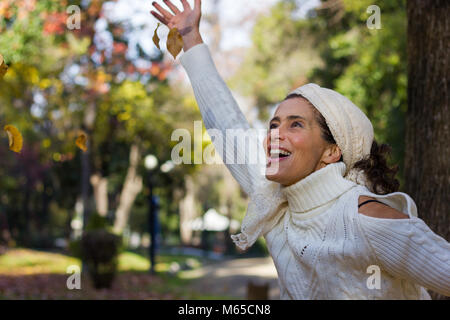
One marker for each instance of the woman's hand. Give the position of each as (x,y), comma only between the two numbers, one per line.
(187,22)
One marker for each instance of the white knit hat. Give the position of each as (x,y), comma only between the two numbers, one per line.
(350,127)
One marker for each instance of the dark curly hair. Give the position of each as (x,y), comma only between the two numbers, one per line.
(380,175)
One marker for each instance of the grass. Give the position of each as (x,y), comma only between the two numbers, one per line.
(25,262)
(31,274)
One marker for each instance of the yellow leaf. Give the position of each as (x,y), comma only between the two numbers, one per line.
(45,83)
(3,67)
(124,116)
(174,42)
(57,156)
(46,143)
(15,138)
(81,141)
(156,38)
(31,75)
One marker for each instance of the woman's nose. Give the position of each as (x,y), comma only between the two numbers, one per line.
(277,134)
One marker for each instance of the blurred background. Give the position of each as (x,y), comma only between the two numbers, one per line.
(141,226)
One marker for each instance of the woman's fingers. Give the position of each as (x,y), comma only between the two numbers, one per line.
(197,5)
(159,17)
(186,5)
(166,14)
(172,7)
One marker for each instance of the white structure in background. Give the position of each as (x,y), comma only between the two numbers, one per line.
(135,240)
(213,221)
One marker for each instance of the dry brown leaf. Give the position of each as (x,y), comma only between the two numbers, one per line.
(15,138)
(81,141)
(3,67)
(156,38)
(174,42)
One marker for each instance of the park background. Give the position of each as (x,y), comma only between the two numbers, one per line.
(109,80)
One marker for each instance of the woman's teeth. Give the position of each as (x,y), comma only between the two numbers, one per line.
(278,153)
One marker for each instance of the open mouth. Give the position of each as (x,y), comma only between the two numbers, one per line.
(278,154)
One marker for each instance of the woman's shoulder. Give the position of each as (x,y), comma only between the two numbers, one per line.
(395,205)
(374,208)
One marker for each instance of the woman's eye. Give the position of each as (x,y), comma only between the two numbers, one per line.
(272,126)
(297,124)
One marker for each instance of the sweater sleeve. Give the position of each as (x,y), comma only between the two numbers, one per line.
(241,149)
(409,249)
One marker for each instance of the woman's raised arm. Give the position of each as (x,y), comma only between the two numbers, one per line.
(240,146)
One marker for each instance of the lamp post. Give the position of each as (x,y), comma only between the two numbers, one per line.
(150,164)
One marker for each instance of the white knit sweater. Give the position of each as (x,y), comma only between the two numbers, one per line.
(321,246)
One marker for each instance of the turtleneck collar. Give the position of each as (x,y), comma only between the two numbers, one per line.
(318,188)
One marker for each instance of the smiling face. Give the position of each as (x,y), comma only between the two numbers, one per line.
(294,144)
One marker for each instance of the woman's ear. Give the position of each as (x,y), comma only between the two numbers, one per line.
(332,154)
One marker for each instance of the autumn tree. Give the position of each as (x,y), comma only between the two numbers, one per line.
(60,81)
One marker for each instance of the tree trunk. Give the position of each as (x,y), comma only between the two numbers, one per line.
(427,159)
(88,124)
(187,211)
(100,186)
(228,198)
(131,188)
(44,217)
(26,224)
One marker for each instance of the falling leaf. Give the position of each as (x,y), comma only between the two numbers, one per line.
(156,38)
(15,138)
(3,67)
(174,42)
(81,141)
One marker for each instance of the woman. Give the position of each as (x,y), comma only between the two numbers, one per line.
(328,205)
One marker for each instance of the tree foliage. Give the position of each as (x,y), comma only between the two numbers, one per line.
(59,81)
